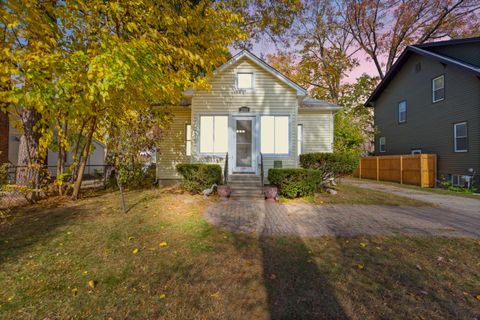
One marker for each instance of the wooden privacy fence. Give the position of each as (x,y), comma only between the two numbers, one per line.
(417,169)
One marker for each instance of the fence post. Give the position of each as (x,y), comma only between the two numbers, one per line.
(421,170)
(360,169)
(378,169)
(401,169)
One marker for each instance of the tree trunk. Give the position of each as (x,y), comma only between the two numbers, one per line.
(83,164)
(28,175)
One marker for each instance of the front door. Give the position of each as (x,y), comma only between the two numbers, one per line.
(244,155)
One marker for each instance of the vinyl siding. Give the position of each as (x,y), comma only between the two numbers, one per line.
(468,52)
(317,131)
(270,96)
(429,126)
(171,149)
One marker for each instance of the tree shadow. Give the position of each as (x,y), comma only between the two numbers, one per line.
(296,287)
(32,224)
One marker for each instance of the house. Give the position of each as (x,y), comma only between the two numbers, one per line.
(429,102)
(252,112)
(10,142)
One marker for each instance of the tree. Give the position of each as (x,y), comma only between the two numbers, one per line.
(384,28)
(100,60)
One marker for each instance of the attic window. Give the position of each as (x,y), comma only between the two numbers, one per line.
(245,80)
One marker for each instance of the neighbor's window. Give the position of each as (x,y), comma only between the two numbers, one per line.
(402,112)
(188,139)
(438,89)
(382,143)
(213,134)
(275,134)
(244,80)
(461,137)
(299,139)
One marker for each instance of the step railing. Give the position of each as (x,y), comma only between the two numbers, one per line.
(261,169)
(225,170)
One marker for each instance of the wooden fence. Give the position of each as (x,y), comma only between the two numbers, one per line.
(418,169)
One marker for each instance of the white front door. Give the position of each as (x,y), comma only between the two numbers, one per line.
(244,155)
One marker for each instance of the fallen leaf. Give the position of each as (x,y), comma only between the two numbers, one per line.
(162,296)
(85,273)
(216,294)
(92,284)
(74,291)
(163,244)
(478,297)
(130,238)
(363,245)
(360,266)
(135,251)
(273,276)
(419,267)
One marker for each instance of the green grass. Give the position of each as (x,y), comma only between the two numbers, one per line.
(49,253)
(432,190)
(349,194)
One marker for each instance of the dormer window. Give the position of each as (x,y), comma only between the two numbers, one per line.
(245,80)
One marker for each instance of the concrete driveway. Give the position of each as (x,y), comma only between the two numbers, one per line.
(304,219)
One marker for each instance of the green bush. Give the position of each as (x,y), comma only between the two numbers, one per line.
(297,182)
(338,164)
(198,177)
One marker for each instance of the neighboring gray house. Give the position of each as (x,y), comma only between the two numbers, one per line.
(429,102)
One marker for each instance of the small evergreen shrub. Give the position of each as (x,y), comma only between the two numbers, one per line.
(338,164)
(198,177)
(295,182)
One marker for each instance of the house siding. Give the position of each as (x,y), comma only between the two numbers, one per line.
(317,131)
(429,126)
(171,148)
(467,52)
(270,96)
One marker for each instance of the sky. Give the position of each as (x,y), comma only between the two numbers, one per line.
(262,48)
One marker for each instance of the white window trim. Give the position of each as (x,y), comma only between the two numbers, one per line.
(300,141)
(435,89)
(399,113)
(188,139)
(253,80)
(380,144)
(277,155)
(455,136)
(198,139)
(416,151)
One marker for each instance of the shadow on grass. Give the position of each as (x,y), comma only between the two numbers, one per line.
(32,224)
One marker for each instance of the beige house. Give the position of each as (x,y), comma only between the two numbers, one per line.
(252,112)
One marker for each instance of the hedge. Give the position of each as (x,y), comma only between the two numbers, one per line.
(340,164)
(198,177)
(296,182)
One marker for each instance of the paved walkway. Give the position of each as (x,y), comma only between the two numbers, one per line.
(304,219)
(451,202)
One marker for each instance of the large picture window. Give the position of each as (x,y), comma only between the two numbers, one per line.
(275,135)
(213,134)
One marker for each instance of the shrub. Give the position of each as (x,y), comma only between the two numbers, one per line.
(198,177)
(338,164)
(297,182)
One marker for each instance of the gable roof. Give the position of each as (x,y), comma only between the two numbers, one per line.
(422,50)
(245,53)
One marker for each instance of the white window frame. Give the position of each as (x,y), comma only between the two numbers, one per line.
(252,88)
(401,103)
(435,89)
(280,155)
(188,139)
(299,138)
(416,151)
(199,139)
(455,136)
(380,144)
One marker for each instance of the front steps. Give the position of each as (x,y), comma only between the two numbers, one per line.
(245,187)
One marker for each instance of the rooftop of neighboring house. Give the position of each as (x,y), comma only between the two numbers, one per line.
(461,53)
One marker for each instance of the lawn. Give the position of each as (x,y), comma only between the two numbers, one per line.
(86,259)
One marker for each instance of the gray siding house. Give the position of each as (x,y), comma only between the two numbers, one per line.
(429,102)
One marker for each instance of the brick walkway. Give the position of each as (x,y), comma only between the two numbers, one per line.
(305,219)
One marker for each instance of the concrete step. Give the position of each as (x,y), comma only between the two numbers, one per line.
(246,198)
(245,186)
(239,177)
